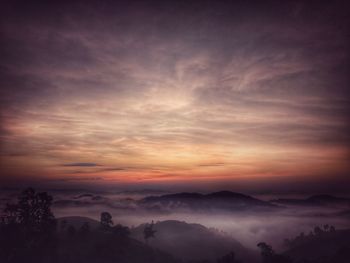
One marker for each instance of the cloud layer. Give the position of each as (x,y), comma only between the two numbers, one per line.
(174,91)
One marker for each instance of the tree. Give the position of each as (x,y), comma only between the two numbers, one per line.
(84,230)
(287,243)
(33,211)
(318,231)
(332,229)
(28,228)
(148,231)
(63,225)
(310,235)
(71,230)
(106,221)
(266,252)
(121,231)
(269,256)
(229,258)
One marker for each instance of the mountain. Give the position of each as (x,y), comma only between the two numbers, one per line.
(143,192)
(315,200)
(193,241)
(224,200)
(87,200)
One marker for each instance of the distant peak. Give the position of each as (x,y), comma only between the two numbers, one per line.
(185,195)
(227,194)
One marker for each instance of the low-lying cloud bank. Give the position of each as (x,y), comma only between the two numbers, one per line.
(248,226)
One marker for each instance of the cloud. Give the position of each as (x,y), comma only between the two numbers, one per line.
(211,164)
(135,88)
(81,164)
(67,179)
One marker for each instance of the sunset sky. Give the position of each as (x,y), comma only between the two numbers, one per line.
(195,95)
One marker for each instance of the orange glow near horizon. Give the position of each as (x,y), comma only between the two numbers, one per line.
(146,97)
(145,144)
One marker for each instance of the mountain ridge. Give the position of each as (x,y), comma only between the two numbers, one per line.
(314,200)
(222,200)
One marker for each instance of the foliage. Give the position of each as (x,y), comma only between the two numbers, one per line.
(71,231)
(317,233)
(269,256)
(149,232)
(28,228)
(121,231)
(32,211)
(229,258)
(84,230)
(106,221)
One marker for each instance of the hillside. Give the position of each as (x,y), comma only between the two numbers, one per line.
(97,246)
(193,241)
(77,221)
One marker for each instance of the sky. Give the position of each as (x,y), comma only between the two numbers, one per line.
(241,95)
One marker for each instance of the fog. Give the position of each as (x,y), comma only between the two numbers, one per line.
(248,227)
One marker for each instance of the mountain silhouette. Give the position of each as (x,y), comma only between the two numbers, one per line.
(315,200)
(223,200)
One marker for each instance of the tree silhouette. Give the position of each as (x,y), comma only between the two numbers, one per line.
(269,256)
(27,235)
(63,225)
(301,239)
(121,231)
(28,228)
(33,211)
(229,258)
(9,215)
(318,231)
(84,230)
(148,231)
(106,221)
(71,231)
(266,252)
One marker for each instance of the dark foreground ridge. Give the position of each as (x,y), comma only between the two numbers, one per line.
(30,233)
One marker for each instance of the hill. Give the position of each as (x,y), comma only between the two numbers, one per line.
(78,221)
(224,200)
(103,247)
(193,241)
(315,200)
